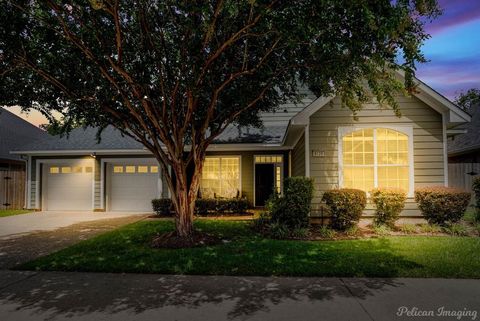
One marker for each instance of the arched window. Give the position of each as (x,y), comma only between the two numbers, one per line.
(375,157)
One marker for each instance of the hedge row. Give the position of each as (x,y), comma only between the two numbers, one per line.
(438,204)
(205,206)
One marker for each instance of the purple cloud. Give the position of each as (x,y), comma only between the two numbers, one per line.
(454,13)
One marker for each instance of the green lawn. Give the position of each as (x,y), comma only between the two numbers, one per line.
(4,213)
(127,250)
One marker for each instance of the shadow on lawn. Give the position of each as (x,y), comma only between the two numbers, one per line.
(69,295)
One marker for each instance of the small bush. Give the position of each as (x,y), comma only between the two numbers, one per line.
(261,223)
(408,228)
(293,208)
(430,228)
(299,233)
(455,229)
(162,206)
(346,206)
(326,232)
(476,194)
(441,205)
(381,230)
(389,204)
(279,231)
(206,206)
(352,231)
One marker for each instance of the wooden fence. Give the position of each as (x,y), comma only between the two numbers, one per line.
(12,187)
(461,175)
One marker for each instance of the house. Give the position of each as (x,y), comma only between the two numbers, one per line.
(464,153)
(316,138)
(465,147)
(14,132)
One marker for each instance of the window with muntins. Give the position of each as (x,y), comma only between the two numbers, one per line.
(376,157)
(220,177)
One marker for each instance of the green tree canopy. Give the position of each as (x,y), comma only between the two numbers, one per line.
(174,74)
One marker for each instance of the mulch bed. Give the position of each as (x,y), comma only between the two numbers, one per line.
(171,240)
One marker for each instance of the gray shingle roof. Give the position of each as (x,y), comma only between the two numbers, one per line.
(274,129)
(15,133)
(471,140)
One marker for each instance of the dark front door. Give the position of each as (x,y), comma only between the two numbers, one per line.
(264,181)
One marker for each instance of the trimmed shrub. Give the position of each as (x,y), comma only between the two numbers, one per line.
(389,204)
(476,193)
(162,206)
(206,206)
(455,229)
(442,205)
(292,209)
(346,206)
(278,231)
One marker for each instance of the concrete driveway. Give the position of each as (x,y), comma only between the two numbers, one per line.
(17,225)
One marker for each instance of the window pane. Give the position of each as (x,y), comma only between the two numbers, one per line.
(358,148)
(358,177)
(393,177)
(143,169)
(130,169)
(77,169)
(221,177)
(392,147)
(153,169)
(66,170)
(118,169)
(54,170)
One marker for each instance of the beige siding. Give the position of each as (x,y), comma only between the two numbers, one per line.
(427,142)
(298,158)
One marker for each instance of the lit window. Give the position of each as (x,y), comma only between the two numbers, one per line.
(66,170)
(54,170)
(143,169)
(268,159)
(118,169)
(77,169)
(278,179)
(221,177)
(129,169)
(88,169)
(153,169)
(375,158)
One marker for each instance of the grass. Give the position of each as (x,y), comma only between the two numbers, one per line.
(4,213)
(127,250)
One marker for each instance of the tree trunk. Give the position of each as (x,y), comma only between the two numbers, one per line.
(184,195)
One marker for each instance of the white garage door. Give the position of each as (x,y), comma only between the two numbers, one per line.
(68,187)
(133,187)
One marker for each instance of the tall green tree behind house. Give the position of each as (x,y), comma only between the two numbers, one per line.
(173,74)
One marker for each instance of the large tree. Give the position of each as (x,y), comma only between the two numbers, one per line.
(173,74)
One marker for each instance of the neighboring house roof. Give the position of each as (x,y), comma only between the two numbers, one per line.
(15,133)
(468,142)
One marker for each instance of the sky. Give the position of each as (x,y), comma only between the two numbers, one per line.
(453,52)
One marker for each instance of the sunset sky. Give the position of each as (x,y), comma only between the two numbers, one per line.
(453,51)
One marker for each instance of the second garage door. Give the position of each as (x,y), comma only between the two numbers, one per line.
(132,186)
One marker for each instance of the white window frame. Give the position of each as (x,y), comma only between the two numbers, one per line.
(404,129)
(239,157)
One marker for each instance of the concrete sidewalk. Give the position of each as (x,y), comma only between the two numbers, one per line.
(90,296)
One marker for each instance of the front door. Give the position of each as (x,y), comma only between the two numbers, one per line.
(264,183)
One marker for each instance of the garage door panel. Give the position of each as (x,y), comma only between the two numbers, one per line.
(66,190)
(132,191)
